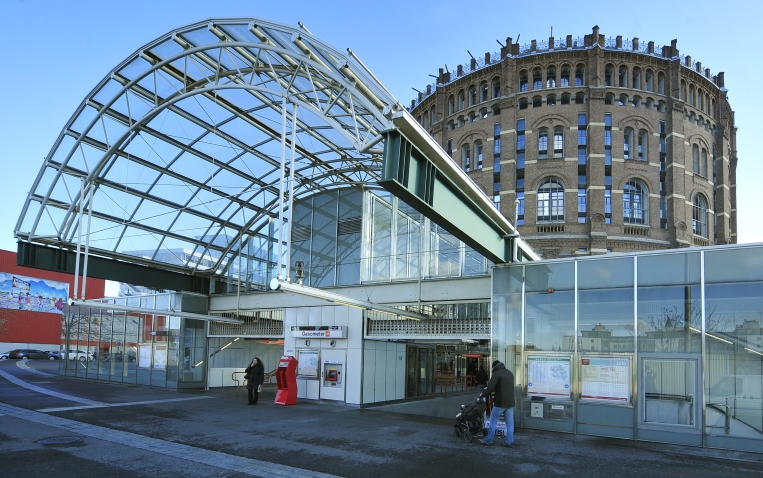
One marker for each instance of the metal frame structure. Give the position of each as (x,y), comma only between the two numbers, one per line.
(189,154)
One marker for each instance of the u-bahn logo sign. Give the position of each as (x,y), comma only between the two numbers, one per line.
(319,332)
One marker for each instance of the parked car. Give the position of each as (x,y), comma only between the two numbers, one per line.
(4,355)
(27,354)
(80,355)
(119,357)
(54,354)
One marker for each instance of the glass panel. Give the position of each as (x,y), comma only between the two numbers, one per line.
(734,342)
(550,306)
(323,257)
(104,347)
(193,351)
(670,391)
(605,306)
(145,352)
(349,236)
(381,239)
(407,241)
(669,304)
(412,381)
(160,352)
(173,346)
(506,332)
(132,328)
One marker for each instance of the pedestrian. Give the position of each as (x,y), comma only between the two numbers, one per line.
(481,379)
(502,384)
(255,377)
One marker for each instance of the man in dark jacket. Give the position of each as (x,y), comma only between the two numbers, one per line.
(502,384)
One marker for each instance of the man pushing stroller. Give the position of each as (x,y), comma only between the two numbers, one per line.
(502,384)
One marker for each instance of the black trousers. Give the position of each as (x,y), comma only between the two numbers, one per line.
(253,395)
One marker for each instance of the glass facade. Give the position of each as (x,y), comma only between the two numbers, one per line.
(350,236)
(143,349)
(661,346)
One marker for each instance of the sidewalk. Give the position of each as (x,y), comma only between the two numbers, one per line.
(151,432)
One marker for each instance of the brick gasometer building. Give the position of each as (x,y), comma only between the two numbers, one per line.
(608,145)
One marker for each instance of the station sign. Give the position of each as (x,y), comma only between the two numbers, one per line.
(319,332)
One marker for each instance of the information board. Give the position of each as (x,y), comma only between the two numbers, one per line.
(548,376)
(606,378)
(308,364)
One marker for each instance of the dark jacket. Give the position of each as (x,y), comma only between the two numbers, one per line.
(481,377)
(255,375)
(502,383)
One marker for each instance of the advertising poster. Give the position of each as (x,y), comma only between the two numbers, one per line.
(606,378)
(144,357)
(307,366)
(548,376)
(30,293)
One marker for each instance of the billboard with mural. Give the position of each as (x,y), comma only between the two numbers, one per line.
(33,294)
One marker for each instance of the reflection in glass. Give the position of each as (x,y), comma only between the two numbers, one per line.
(605,306)
(734,342)
(669,303)
(550,306)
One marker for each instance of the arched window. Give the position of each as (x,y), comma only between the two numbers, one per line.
(703,163)
(551,77)
(622,77)
(537,101)
(565,75)
(496,88)
(707,103)
(637,78)
(661,83)
(451,105)
(461,100)
(609,99)
(699,216)
(622,100)
(523,103)
(432,117)
(649,104)
(523,84)
(636,103)
(543,143)
(472,117)
(579,75)
(635,203)
(691,95)
(451,125)
(712,109)
(550,100)
(466,157)
(484,91)
(695,159)
(649,81)
(579,98)
(683,90)
(628,143)
(566,98)
(700,100)
(643,142)
(662,106)
(483,113)
(472,95)
(461,121)
(550,207)
(425,124)
(537,79)
(478,154)
(558,142)
(609,75)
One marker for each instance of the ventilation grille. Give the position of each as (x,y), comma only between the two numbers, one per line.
(301,233)
(350,225)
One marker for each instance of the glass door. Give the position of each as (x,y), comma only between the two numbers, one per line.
(670,399)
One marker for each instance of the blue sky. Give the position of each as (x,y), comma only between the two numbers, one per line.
(55,52)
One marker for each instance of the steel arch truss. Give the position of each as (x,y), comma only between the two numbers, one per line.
(182,153)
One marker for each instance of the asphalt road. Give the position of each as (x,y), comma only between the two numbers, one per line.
(102,429)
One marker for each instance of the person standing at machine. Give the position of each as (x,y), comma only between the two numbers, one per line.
(255,377)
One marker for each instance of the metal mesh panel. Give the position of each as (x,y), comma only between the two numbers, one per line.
(257,323)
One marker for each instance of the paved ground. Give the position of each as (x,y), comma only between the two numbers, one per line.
(119,429)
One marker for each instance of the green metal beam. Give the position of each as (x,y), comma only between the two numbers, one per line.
(60,260)
(411,176)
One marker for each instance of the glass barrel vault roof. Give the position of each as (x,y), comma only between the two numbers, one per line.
(180,145)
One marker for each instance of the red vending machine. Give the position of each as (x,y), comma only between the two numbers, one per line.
(286,378)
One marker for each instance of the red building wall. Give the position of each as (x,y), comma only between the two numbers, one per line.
(26,326)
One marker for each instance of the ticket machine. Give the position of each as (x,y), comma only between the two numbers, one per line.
(286,378)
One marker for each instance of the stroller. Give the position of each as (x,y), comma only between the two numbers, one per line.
(471,420)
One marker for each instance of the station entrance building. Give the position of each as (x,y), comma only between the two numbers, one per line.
(297,208)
